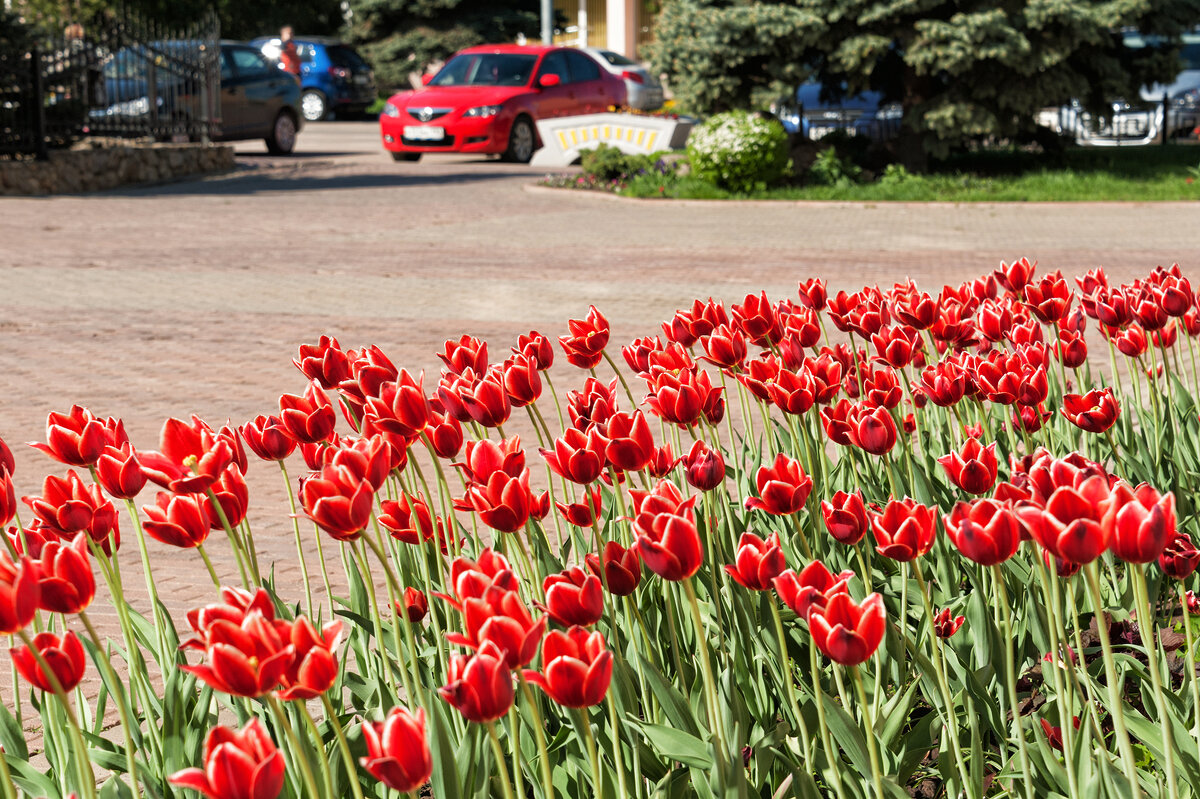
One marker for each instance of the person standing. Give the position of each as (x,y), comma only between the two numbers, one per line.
(289,56)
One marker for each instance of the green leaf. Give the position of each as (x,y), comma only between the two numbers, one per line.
(445,779)
(675,745)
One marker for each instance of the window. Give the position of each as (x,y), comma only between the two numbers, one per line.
(582,67)
(249,62)
(486,69)
(226,67)
(616,59)
(555,63)
(341,56)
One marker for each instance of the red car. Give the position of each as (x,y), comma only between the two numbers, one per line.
(485,100)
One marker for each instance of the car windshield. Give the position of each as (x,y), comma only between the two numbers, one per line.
(345,57)
(616,59)
(132,63)
(486,69)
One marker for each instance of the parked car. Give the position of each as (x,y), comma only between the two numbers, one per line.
(643,91)
(256,100)
(334,79)
(1141,120)
(816,111)
(486,99)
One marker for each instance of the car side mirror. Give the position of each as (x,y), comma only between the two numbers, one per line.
(549,80)
(426,78)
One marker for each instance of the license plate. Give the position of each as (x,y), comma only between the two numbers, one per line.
(424,133)
(362,80)
(818,131)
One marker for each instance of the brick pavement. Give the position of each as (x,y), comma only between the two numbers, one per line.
(148,303)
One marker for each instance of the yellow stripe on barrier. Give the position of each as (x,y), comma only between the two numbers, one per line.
(562,140)
(650,142)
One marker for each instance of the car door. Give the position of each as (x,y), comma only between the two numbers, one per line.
(233,99)
(263,89)
(591,94)
(554,101)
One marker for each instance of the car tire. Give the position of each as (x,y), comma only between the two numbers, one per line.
(314,106)
(522,141)
(406,156)
(283,134)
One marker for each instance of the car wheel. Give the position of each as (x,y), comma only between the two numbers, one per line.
(283,135)
(406,156)
(313,106)
(520,141)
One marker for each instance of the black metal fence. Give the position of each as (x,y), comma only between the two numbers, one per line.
(117,75)
(1128,124)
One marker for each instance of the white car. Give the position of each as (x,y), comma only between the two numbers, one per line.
(644,92)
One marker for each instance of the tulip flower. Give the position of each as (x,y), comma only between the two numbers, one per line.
(339,501)
(1049,298)
(1132,341)
(486,401)
(845,517)
(905,530)
(576,668)
(471,579)
(793,393)
(577,456)
(397,751)
(896,346)
(757,319)
(233,495)
(595,404)
(1139,522)
(945,383)
(670,546)
(484,458)
(757,561)
(1069,526)
(813,293)
(584,345)
(622,570)
(681,398)
(1015,277)
(1180,557)
(119,473)
(873,430)
(522,380)
(503,503)
(8,464)
(1054,735)
(984,530)
(67,505)
(63,655)
(309,418)
(574,598)
(811,588)
(8,498)
(20,594)
(945,625)
(1093,412)
(501,618)
(837,421)
(466,353)
(704,467)
(235,605)
(314,667)
(536,346)
(630,442)
(324,362)
(179,520)
(846,632)
(783,487)
(75,438)
(401,406)
(974,468)
(725,347)
(245,659)
(415,605)
(64,575)
(191,456)
(479,687)
(410,519)
(238,764)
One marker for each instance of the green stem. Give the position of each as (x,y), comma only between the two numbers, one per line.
(710,684)
(306,772)
(122,707)
(831,751)
(308,595)
(585,731)
(319,746)
(539,734)
(1148,627)
(869,732)
(498,751)
(1011,674)
(235,542)
(785,664)
(343,746)
(1189,661)
(159,623)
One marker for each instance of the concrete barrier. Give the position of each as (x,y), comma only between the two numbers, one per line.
(564,138)
(92,168)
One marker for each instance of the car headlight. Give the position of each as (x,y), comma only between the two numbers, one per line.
(1190,98)
(482,111)
(391,110)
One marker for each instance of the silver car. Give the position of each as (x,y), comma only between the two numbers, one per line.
(644,92)
(1175,107)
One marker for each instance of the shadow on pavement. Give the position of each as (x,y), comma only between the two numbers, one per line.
(276,181)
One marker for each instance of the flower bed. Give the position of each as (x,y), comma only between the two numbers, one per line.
(926,556)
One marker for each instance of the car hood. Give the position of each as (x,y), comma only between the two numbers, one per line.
(457,96)
(809,96)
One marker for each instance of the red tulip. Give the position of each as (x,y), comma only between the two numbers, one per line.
(873,430)
(883,389)
(1139,521)
(577,456)
(310,418)
(704,467)
(757,319)
(896,346)
(1069,526)
(467,353)
(409,519)
(8,498)
(64,574)
(339,501)
(536,346)
(905,530)
(1016,276)
(484,458)
(503,503)
(314,668)
(813,293)
(234,606)
(1093,412)
(20,594)
(397,750)
(587,512)
(445,434)
(945,625)
(576,668)
(845,517)
(7,463)
(75,438)
(179,520)
(1180,557)
(401,407)
(522,380)
(974,468)
(757,561)
(837,421)
(119,473)
(793,393)
(584,345)
(846,632)
(244,658)
(472,579)
(725,347)
(415,605)
(1054,735)
(500,617)
(1049,298)
(594,405)
(783,487)
(237,764)
(481,687)
(681,398)
(945,383)
(68,506)
(486,401)
(64,656)
(811,588)
(630,442)
(233,495)
(574,598)
(1132,341)
(984,530)
(670,546)
(622,568)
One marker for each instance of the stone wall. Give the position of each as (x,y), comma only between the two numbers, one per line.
(91,168)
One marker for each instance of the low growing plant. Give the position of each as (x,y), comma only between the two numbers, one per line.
(738,151)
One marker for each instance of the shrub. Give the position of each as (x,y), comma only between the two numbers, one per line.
(739,151)
(831,169)
(609,163)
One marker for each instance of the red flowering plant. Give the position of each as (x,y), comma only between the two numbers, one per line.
(631,590)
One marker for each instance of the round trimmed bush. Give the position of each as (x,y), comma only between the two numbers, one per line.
(739,151)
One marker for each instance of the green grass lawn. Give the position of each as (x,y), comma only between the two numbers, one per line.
(1136,174)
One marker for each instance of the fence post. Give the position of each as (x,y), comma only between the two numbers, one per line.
(1166,118)
(39,105)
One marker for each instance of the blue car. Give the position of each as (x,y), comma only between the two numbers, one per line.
(334,79)
(816,111)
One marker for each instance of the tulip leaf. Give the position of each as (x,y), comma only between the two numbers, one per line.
(114,788)
(29,779)
(848,735)
(445,778)
(675,745)
(896,713)
(673,703)
(12,738)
